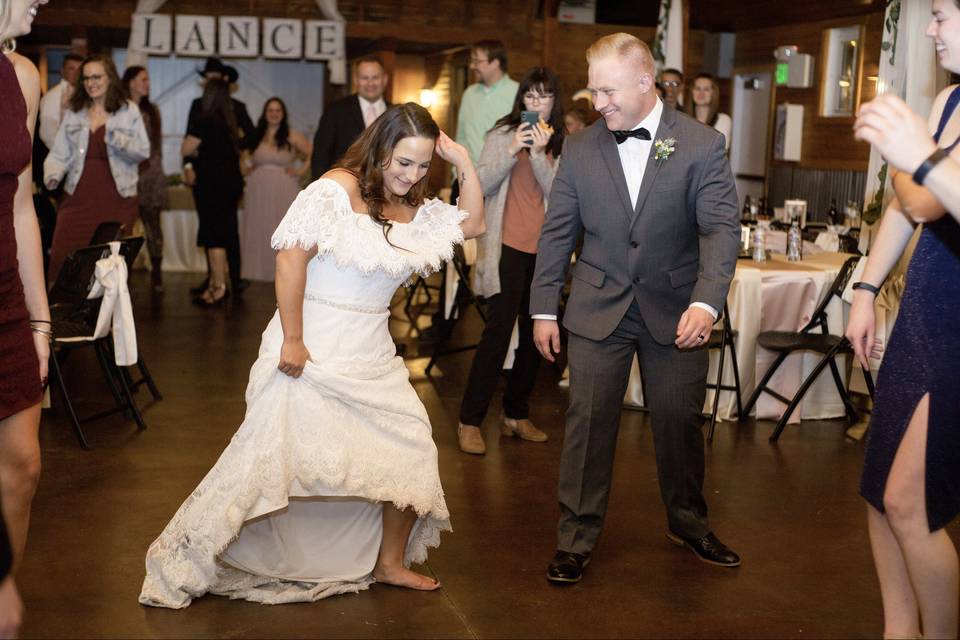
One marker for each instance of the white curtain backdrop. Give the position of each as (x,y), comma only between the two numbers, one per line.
(909,50)
(174,83)
(668,42)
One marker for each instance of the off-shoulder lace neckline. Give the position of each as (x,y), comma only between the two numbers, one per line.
(346,193)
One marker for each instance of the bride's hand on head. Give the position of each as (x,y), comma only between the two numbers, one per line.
(455,154)
(293,357)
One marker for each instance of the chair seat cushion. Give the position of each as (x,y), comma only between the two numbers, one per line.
(792,341)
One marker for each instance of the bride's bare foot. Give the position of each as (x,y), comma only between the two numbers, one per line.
(403,577)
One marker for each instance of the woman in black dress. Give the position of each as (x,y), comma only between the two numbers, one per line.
(911,475)
(215,141)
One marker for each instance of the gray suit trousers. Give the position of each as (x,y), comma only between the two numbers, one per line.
(675,383)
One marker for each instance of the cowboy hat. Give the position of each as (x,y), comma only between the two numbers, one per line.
(215,65)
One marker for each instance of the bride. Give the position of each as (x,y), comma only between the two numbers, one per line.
(331,481)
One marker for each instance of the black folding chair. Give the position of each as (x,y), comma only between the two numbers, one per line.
(74,320)
(724,339)
(830,346)
(105,232)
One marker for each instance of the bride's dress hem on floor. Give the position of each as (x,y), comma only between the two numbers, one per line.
(351,429)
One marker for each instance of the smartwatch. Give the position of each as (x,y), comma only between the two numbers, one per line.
(932,160)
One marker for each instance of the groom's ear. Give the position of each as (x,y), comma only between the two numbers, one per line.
(646,82)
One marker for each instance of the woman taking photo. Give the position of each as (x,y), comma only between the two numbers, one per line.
(214,140)
(152,185)
(911,473)
(705,96)
(24,315)
(331,483)
(516,170)
(99,147)
(273,181)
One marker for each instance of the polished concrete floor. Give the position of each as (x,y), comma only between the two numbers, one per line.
(791,510)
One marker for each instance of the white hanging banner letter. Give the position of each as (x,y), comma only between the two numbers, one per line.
(196,35)
(239,37)
(282,38)
(151,33)
(324,40)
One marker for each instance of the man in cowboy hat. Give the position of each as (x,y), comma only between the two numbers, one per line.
(214,69)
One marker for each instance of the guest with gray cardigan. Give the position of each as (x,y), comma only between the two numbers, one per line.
(516,170)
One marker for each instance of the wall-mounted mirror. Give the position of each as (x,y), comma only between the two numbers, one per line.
(840,71)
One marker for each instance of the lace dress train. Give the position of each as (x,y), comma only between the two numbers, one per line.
(292,509)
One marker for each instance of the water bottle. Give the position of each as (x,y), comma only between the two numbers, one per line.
(793,243)
(759,245)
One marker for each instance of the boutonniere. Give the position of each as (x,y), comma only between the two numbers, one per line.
(664,148)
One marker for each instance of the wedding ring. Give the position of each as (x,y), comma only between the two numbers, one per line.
(700,338)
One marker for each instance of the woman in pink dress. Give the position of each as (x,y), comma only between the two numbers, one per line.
(273,181)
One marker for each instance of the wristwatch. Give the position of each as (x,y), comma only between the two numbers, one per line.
(866,286)
(932,160)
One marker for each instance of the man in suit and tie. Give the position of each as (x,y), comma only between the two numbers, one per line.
(343,121)
(653,194)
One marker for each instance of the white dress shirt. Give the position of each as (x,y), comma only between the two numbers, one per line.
(50,113)
(634,154)
(378,108)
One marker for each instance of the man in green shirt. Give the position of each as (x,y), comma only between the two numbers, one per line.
(488,100)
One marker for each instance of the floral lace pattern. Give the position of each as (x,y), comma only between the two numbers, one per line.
(351,426)
(322,217)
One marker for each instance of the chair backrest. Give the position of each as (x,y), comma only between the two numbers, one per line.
(76,277)
(105,232)
(819,317)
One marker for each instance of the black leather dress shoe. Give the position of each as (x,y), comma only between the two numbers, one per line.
(567,567)
(708,548)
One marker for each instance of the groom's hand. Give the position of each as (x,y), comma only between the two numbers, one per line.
(694,328)
(546,335)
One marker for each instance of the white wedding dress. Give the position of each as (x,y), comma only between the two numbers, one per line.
(291,511)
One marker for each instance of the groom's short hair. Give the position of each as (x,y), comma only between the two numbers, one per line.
(625,46)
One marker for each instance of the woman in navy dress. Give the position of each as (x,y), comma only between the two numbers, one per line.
(24,315)
(911,475)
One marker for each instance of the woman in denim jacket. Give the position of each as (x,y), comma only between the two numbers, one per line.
(100,144)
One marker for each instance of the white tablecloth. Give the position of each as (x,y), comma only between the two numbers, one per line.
(180,250)
(775,296)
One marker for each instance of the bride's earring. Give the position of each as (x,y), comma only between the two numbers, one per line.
(8,46)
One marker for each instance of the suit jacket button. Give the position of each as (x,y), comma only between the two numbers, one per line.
(634,244)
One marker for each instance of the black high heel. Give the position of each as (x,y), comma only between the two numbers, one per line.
(210,297)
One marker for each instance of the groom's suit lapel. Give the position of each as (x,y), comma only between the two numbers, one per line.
(608,149)
(667,121)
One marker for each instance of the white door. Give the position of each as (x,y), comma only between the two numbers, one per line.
(751,123)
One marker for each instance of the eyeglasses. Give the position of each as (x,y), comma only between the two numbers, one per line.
(537,97)
(673,84)
(94,78)
(478,60)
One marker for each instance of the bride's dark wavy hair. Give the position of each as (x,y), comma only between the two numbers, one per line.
(371,154)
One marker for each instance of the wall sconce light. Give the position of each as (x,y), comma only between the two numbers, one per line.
(427,98)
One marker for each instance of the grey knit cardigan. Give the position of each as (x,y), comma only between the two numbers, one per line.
(494,170)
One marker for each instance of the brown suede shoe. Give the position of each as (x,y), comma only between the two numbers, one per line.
(470,440)
(522,429)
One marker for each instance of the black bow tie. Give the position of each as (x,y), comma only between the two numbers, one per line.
(639,134)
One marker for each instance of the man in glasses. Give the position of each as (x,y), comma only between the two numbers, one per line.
(672,82)
(482,104)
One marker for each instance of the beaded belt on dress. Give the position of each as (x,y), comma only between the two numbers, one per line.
(346,306)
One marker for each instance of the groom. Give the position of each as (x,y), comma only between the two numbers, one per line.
(652,191)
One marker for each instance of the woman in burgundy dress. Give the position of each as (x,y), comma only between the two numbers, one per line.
(97,153)
(23,300)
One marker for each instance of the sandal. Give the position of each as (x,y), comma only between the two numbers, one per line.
(213,296)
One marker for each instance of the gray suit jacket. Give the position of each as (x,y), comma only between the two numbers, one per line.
(679,245)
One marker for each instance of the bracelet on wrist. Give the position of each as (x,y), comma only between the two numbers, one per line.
(866,286)
(43,332)
(32,321)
